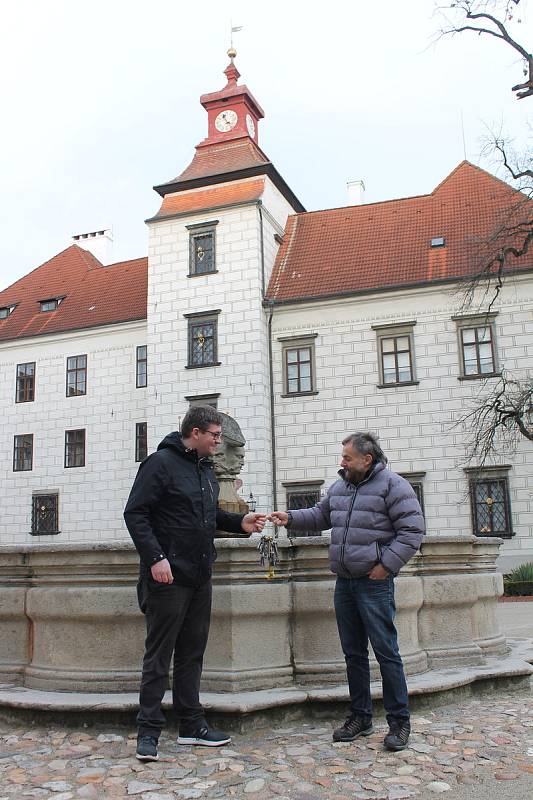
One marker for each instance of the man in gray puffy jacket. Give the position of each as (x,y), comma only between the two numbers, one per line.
(376,527)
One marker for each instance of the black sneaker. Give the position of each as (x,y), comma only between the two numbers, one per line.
(203,735)
(398,735)
(352,729)
(147,748)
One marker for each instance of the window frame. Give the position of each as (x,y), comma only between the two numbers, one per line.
(490,475)
(76,445)
(203,400)
(302,488)
(476,321)
(76,370)
(288,343)
(18,448)
(42,497)
(196,231)
(8,309)
(139,431)
(396,330)
(25,381)
(416,479)
(138,362)
(53,302)
(195,320)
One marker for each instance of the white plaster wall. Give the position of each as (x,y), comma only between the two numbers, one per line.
(91,498)
(414,422)
(242,379)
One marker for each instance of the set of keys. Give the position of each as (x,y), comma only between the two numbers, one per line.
(268,552)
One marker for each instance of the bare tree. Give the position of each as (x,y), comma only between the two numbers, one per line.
(490,18)
(498,418)
(502,412)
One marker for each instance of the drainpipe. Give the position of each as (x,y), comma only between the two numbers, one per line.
(272,428)
(270,304)
(262,247)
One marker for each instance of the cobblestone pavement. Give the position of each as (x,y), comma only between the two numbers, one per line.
(484,744)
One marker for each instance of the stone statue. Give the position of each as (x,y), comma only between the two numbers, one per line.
(229,457)
(228,462)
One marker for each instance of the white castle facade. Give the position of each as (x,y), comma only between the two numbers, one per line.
(302,326)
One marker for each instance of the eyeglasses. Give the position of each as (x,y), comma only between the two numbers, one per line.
(216,436)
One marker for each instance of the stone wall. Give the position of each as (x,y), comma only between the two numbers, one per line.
(69,619)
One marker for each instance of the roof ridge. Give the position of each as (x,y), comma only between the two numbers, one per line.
(40,266)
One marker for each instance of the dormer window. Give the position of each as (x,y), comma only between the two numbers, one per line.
(49,305)
(5,311)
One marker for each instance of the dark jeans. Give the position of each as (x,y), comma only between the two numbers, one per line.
(365,610)
(177,621)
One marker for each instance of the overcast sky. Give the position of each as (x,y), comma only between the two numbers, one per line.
(100,102)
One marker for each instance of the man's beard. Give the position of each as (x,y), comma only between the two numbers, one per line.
(354,476)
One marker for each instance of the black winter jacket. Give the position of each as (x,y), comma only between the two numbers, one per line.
(172,512)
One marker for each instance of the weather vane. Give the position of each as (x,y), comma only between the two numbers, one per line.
(233,29)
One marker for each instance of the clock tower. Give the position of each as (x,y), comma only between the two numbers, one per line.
(212,246)
(232,112)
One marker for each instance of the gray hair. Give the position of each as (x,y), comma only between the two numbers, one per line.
(199,417)
(366,444)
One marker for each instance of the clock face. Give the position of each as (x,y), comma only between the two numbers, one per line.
(250,125)
(226,120)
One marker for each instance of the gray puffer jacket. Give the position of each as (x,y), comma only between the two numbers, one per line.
(379,519)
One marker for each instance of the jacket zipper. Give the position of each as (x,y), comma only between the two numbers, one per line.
(345,536)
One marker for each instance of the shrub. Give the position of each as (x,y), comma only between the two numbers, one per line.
(519,581)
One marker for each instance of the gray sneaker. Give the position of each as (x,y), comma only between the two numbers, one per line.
(202,735)
(147,748)
(353,728)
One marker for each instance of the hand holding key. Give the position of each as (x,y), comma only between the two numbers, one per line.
(278,517)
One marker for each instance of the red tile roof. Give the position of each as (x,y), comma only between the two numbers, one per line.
(381,245)
(222,157)
(202,199)
(93,295)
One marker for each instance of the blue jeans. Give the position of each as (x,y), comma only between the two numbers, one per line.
(365,609)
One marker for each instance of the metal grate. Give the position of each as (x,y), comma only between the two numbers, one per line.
(202,253)
(202,343)
(44,514)
(303,498)
(491,508)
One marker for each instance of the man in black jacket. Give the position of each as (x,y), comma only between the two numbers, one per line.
(172,514)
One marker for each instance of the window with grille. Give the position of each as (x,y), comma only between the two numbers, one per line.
(299,365)
(76,375)
(142,367)
(303,496)
(75,448)
(44,514)
(396,353)
(202,334)
(141,446)
(416,479)
(202,248)
(23,452)
(491,506)
(25,391)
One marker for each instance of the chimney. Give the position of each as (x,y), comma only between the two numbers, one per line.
(356,193)
(99,243)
